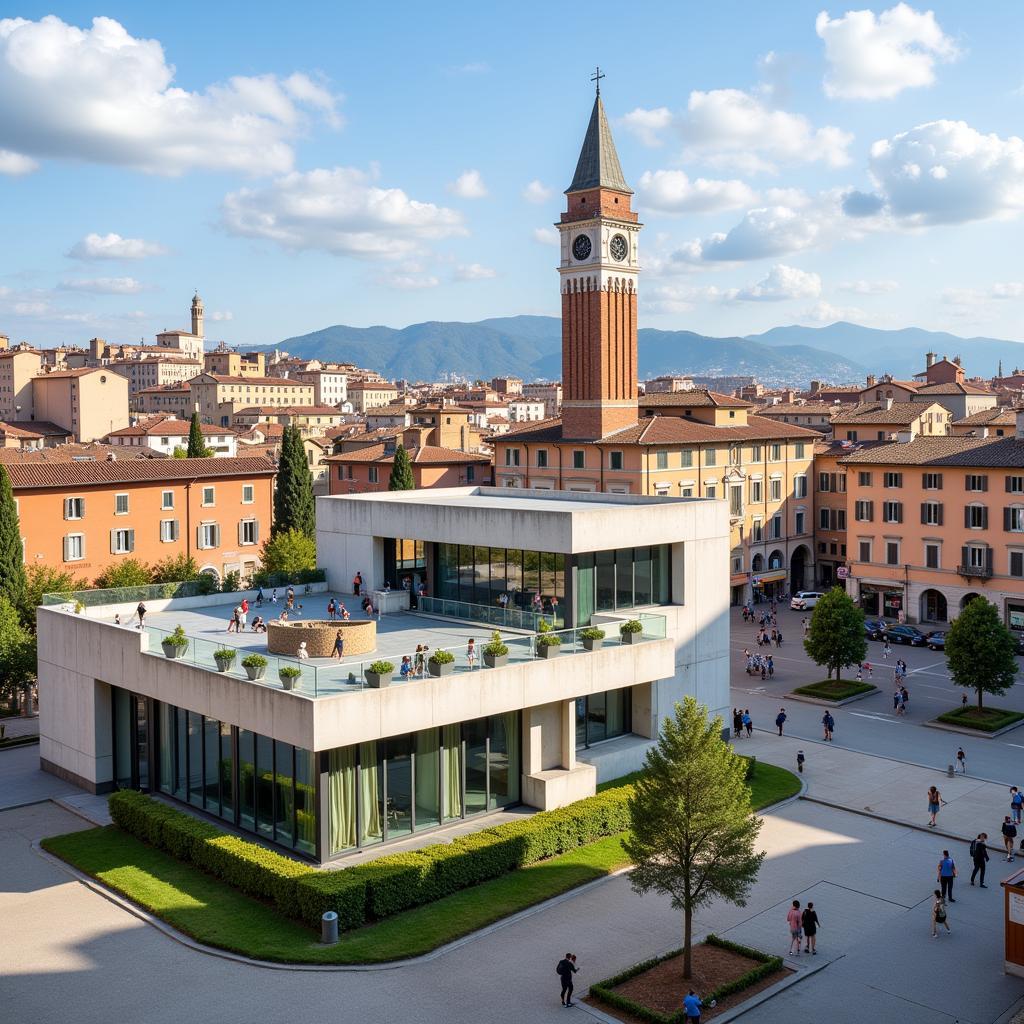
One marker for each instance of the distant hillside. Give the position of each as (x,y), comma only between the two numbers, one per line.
(530,347)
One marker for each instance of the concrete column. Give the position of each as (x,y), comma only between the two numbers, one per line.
(568,734)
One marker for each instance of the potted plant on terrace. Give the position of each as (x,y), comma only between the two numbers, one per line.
(548,643)
(255,666)
(441,663)
(225,658)
(379,674)
(175,644)
(631,632)
(592,638)
(496,652)
(289,675)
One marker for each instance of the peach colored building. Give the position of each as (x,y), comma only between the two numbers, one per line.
(935,522)
(887,420)
(82,517)
(18,368)
(89,403)
(369,468)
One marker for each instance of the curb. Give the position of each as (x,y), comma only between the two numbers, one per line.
(976,733)
(822,702)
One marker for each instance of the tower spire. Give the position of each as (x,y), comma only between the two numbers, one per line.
(598,165)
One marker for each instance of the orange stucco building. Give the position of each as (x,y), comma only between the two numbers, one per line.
(369,468)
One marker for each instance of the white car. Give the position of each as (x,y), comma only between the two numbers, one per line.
(805,599)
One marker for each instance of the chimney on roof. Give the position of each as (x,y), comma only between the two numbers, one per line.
(929,359)
(111,456)
(871,381)
(815,386)
(887,404)
(984,431)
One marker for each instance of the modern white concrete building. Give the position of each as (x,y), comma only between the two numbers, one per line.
(334,764)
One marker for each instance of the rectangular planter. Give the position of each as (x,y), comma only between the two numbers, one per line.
(443,669)
(376,681)
(631,638)
(495,660)
(549,650)
(592,645)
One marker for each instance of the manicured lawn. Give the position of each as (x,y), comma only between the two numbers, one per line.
(982,719)
(835,689)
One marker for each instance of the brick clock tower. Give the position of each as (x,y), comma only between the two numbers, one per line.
(599,272)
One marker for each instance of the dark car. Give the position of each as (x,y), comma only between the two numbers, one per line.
(905,635)
(936,640)
(1018,639)
(874,629)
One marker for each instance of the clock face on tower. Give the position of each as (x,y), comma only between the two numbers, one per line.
(618,247)
(581,247)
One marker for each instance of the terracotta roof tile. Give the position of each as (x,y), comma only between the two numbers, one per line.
(876,412)
(65,474)
(697,399)
(997,452)
(989,418)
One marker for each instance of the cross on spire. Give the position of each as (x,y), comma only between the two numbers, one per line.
(596,79)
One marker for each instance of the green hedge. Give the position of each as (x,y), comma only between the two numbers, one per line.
(382,887)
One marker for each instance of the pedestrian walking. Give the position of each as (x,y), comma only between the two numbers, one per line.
(800,761)
(868,669)
(692,1005)
(961,761)
(141,612)
(339,646)
(778,638)
(829,724)
(764,670)
(1016,802)
(809,921)
(1009,835)
(806,625)
(259,598)
(886,649)
(905,694)
(795,921)
(357,584)
(935,802)
(860,674)
(780,720)
(748,722)
(946,874)
(897,702)
(471,652)
(963,699)
(771,667)
(243,614)
(737,723)
(979,857)
(939,914)
(565,970)
(331,609)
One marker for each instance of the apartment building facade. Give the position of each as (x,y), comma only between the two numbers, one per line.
(165,435)
(330,386)
(155,372)
(368,469)
(173,399)
(369,394)
(218,397)
(18,368)
(89,403)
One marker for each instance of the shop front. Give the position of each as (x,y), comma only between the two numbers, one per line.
(768,586)
(738,583)
(882,600)
(1015,616)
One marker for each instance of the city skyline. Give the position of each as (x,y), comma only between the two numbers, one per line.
(801,166)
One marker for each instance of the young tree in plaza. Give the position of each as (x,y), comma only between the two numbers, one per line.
(196,445)
(401,478)
(17,653)
(836,637)
(980,650)
(692,830)
(129,573)
(294,508)
(44,579)
(290,553)
(12,568)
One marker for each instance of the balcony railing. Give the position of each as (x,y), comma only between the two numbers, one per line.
(493,615)
(978,572)
(319,680)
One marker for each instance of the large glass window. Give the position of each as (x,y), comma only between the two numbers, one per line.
(451,766)
(371,795)
(428,778)
(503,760)
(399,785)
(195,759)
(284,793)
(305,801)
(475,736)
(605,601)
(342,798)
(123,738)
(265,786)
(211,758)
(166,740)
(246,779)
(626,578)
(603,716)
(181,759)
(227,774)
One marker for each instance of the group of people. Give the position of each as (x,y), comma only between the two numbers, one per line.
(742,723)
(760,663)
(236,624)
(337,610)
(803,928)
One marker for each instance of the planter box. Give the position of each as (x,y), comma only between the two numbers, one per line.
(288,682)
(170,651)
(592,645)
(495,660)
(631,638)
(257,672)
(548,650)
(224,664)
(440,669)
(376,681)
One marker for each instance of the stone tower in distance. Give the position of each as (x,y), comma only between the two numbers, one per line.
(197,315)
(599,272)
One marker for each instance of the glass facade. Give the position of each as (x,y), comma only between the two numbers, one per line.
(608,581)
(482,575)
(603,716)
(388,789)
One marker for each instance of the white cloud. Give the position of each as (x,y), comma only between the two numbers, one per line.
(825,313)
(338,210)
(100,95)
(873,58)
(946,172)
(469,185)
(14,164)
(732,128)
(863,287)
(676,192)
(1000,291)
(114,247)
(780,284)
(474,67)
(537,192)
(105,285)
(763,232)
(677,298)
(408,282)
(220,316)
(546,236)
(474,272)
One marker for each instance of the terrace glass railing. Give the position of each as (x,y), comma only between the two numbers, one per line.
(493,615)
(318,678)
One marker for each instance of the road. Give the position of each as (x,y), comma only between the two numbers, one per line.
(870,724)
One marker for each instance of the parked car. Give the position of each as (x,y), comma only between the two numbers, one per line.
(905,635)
(805,599)
(1019,640)
(936,640)
(874,629)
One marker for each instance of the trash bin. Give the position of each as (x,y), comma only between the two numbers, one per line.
(329,928)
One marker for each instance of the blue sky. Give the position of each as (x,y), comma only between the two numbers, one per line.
(365,164)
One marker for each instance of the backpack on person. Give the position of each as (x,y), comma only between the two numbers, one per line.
(974,848)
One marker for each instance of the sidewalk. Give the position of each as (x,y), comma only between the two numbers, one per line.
(20,726)
(887,788)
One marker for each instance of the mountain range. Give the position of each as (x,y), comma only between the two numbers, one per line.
(530,347)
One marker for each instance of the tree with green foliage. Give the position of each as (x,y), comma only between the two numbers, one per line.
(44,579)
(692,831)
(291,552)
(836,637)
(129,573)
(12,565)
(401,478)
(196,444)
(17,654)
(294,508)
(175,569)
(981,651)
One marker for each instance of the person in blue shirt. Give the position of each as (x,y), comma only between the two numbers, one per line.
(691,1007)
(946,874)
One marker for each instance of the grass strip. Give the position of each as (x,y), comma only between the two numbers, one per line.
(835,689)
(982,719)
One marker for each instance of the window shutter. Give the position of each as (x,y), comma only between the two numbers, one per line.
(1006,483)
(924,511)
(82,500)
(130,536)
(984,482)
(199,537)
(965,555)
(988,560)
(240,530)
(967,516)
(113,543)
(938,481)
(256,531)
(1016,563)
(67,504)
(871,511)
(967,482)
(65,549)
(984,517)
(899,511)
(1006,519)
(216,536)
(938,508)
(899,479)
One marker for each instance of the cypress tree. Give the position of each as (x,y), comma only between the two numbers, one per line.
(294,507)
(12,566)
(196,445)
(401,478)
